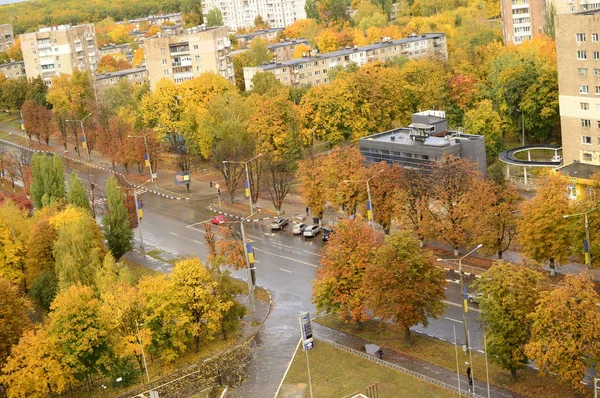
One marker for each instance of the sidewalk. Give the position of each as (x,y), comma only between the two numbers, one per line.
(423,368)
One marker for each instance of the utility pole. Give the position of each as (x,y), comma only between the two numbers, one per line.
(85,141)
(586,243)
(247,184)
(370,202)
(146,155)
(137,328)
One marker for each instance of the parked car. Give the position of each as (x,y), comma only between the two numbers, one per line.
(297,229)
(474,297)
(218,220)
(311,231)
(299,217)
(279,223)
(327,234)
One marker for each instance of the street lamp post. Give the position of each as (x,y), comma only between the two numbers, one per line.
(138,210)
(248,191)
(464,291)
(146,155)
(586,243)
(137,328)
(369,203)
(249,264)
(85,142)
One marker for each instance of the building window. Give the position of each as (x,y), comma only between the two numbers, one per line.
(584,106)
(586,123)
(581,55)
(587,157)
(582,71)
(594,37)
(162,50)
(599,128)
(197,58)
(596,55)
(195,46)
(597,90)
(164,61)
(580,37)
(586,140)
(166,72)
(596,71)
(586,89)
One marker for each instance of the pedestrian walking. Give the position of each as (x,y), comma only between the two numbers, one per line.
(211,184)
(469,373)
(307,211)
(379,353)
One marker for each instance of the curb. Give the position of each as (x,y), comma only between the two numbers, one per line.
(88,164)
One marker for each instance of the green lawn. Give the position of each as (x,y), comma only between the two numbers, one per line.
(12,119)
(138,270)
(529,382)
(336,373)
(537,154)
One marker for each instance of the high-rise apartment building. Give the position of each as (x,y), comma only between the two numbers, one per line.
(522,19)
(578,59)
(570,6)
(61,49)
(189,53)
(6,36)
(241,13)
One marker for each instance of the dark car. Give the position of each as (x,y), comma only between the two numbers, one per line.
(279,223)
(327,234)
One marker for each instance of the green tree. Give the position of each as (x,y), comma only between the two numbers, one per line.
(39,248)
(544,234)
(117,230)
(14,317)
(44,288)
(202,298)
(484,120)
(265,83)
(81,330)
(510,293)
(48,183)
(339,287)
(565,331)
(78,251)
(259,53)
(405,286)
(77,194)
(214,18)
(312,12)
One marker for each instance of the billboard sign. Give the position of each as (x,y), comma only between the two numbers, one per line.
(182,178)
(306,330)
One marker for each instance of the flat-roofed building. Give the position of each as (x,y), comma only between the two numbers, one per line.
(188,54)
(13,70)
(313,70)
(117,51)
(137,76)
(282,51)
(242,13)
(267,35)
(425,141)
(61,49)
(7,37)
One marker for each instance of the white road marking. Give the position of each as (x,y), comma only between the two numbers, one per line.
(198,242)
(285,270)
(200,222)
(173,233)
(281,244)
(286,258)
(460,306)
(314,254)
(254,237)
(453,320)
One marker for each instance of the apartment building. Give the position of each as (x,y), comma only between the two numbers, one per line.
(6,36)
(117,51)
(241,13)
(183,56)
(578,59)
(313,70)
(570,6)
(157,20)
(13,70)
(60,49)
(282,51)
(425,141)
(267,35)
(136,76)
(522,19)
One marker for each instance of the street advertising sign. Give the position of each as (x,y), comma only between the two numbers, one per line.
(306,330)
(182,178)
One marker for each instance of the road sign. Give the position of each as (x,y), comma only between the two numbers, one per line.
(306,330)
(217,186)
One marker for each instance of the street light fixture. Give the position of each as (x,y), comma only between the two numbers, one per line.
(586,243)
(248,191)
(85,143)
(464,290)
(146,155)
(369,203)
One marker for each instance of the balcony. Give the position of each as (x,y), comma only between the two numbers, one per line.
(43,44)
(183,62)
(183,75)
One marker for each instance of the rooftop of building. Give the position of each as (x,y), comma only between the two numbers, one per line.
(588,12)
(579,170)
(346,51)
(287,43)
(120,73)
(258,33)
(111,46)
(17,63)
(151,17)
(63,27)
(174,31)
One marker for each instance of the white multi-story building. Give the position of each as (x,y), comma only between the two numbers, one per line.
(59,49)
(241,13)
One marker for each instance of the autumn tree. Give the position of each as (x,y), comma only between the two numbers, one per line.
(339,287)
(117,231)
(258,52)
(14,234)
(48,185)
(39,249)
(14,317)
(386,193)
(301,50)
(312,184)
(36,367)
(414,206)
(77,194)
(565,331)
(455,186)
(403,284)
(38,120)
(78,251)
(544,234)
(344,175)
(214,18)
(80,328)
(484,120)
(203,302)
(510,293)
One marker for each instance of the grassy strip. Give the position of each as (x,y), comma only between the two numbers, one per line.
(336,373)
(138,271)
(12,119)
(529,383)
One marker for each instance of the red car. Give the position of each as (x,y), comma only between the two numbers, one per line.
(218,220)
